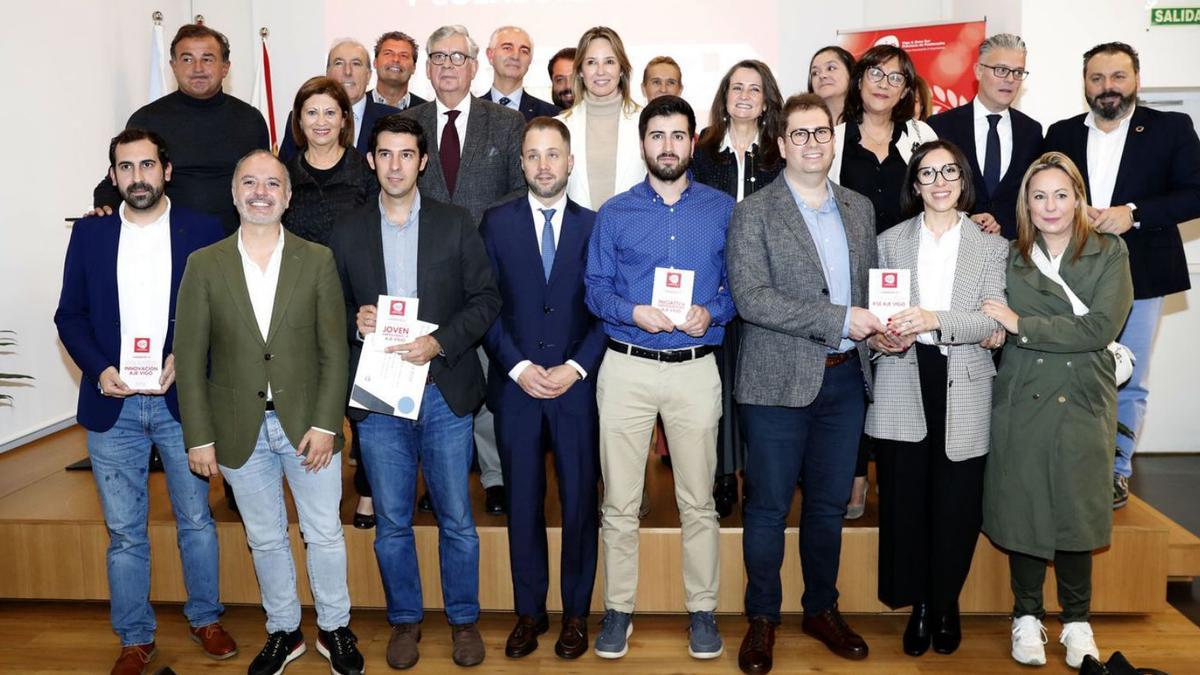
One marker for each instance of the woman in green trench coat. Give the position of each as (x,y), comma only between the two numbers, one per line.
(1048,483)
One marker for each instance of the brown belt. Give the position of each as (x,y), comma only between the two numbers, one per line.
(838,359)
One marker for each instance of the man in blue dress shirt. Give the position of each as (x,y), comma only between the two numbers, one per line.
(672,229)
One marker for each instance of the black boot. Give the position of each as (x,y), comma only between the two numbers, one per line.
(916,635)
(725,492)
(947,631)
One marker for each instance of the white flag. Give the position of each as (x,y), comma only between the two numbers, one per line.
(158,64)
(261,98)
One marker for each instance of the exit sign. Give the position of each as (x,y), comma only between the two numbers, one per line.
(1175,16)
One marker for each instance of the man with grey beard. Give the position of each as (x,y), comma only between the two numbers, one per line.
(1142,169)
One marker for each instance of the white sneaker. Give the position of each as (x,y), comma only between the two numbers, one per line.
(1029,641)
(1077,638)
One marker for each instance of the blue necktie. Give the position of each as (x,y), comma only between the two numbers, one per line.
(991,156)
(547,242)
(504,101)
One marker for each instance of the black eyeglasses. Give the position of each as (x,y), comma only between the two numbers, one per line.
(894,78)
(1004,71)
(439,58)
(801,136)
(927,175)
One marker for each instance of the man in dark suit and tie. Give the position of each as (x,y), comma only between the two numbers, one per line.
(407,244)
(544,350)
(1000,142)
(510,52)
(395,62)
(348,63)
(1142,169)
(474,162)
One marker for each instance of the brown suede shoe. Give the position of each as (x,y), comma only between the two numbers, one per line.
(402,645)
(133,659)
(755,654)
(829,627)
(216,643)
(522,641)
(573,639)
(468,647)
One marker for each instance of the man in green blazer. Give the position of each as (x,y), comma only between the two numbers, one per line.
(261,362)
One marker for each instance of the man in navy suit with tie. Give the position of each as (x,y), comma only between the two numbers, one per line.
(1000,142)
(510,52)
(544,350)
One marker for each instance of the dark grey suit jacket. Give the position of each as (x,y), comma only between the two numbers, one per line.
(778,285)
(489,171)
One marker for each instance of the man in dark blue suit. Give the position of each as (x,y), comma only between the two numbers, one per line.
(120,280)
(1142,170)
(1000,142)
(544,350)
(349,63)
(510,52)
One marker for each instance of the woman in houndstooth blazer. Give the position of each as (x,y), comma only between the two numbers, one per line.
(933,395)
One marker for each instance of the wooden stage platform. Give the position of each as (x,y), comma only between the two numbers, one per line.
(54,542)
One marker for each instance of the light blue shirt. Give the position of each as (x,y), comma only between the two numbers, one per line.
(400,250)
(514,99)
(829,234)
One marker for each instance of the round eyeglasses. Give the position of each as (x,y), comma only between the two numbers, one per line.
(819,134)
(894,78)
(440,58)
(927,175)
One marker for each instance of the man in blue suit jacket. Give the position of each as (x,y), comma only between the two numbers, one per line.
(510,52)
(1000,142)
(120,280)
(544,350)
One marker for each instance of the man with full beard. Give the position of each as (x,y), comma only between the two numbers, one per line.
(541,351)
(1142,168)
(649,244)
(119,285)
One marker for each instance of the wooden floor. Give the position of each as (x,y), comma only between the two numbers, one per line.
(76,638)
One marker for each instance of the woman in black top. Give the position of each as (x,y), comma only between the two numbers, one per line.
(739,154)
(329,178)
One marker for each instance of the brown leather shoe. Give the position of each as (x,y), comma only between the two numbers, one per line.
(133,659)
(216,643)
(755,654)
(829,627)
(402,645)
(522,641)
(573,639)
(468,647)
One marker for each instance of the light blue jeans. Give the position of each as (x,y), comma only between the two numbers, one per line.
(120,465)
(258,486)
(1138,335)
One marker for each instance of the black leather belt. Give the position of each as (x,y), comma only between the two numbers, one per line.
(838,359)
(270,405)
(666,356)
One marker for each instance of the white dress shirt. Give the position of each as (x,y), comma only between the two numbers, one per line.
(359,109)
(464,108)
(937,261)
(1104,150)
(539,226)
(1003,129)
(740,158)
(144,277)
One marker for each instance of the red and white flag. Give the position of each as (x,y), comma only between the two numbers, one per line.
(262,98)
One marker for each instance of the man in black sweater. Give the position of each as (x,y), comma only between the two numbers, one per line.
(207,130)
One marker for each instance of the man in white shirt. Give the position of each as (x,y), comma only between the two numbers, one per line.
(510,51)
(1142,169)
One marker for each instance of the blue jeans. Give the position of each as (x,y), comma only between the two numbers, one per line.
(441,442)
(258,485)
(1138,335)
(120,465)
(817,444)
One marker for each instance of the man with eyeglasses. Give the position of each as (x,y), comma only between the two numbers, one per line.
(510,51)
(798,254)
(1000,142)
(474,166)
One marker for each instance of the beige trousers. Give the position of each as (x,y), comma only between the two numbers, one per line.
(630,393)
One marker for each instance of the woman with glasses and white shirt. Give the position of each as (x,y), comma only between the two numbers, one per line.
(932,396)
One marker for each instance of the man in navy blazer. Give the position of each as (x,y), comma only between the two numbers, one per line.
(543,350)
(1000,142)
(120,280)
(1142,170)
(349,63)
(510,52)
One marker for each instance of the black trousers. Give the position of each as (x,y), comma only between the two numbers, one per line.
(930,509)
(361,486)
(1073,574)
(731,448)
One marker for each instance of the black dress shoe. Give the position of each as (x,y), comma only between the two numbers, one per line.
(364,521)
(725,492)
(425,504)
(494,500)
(522,641)
(573,638)
(917,633)
(947,631)
(757,650)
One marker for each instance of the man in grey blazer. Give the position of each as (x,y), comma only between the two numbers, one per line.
(798,255)
(474,162)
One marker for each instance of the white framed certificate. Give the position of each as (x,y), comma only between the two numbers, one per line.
(891,292)
(141,362)
(673,292)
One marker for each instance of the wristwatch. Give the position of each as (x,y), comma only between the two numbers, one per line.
(1133,213)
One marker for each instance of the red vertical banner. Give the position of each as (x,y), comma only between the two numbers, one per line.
(943,54)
